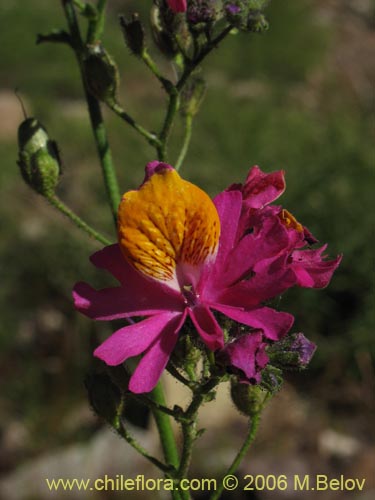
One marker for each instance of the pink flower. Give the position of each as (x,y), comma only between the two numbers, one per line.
(177,5)
(245,356)
(181,255)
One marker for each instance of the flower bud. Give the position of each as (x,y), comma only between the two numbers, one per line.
(200,12)
(272,379)
(192,96)
(101,74)
(292,353)
(257,22)
(248,399)
(134,34)
(104,396)
(38,159)
(162,36)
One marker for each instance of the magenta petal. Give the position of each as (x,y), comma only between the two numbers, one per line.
(120,302)
(246,355)
(177,5)
(207,327)
(310,268)
(273,323)
(269,241)
(153,362)
(111,259)
(261,188)
(134,339)
(228,205)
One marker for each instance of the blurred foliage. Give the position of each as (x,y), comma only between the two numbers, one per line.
(262,107)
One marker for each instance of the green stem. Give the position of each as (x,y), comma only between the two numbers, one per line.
(253,427)
(57,203)
(152,138)
(150,63)
(186,142)
(164,427)
(167,439)
(173,105)
(118,425)
(96,118)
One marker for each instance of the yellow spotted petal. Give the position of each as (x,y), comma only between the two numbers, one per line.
(167,222)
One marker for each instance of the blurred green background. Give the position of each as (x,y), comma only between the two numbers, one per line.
(296,98)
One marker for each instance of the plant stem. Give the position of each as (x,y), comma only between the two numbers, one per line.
(253,427)
(57,203)
(150,63)
(205,51)
(152,138)
(173,105)
(185,144)
(119,426)
(164,427)
(97,123)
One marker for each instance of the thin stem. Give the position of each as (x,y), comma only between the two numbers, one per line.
(253,427)
(150,63)
(186,142)
(205,51)
(177,375)
(97,123)
(57,203)
(119,426)
(173,105)
(152,138)
(151,404)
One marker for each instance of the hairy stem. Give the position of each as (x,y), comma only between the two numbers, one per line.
(253,427)
(96,118)
(57,203)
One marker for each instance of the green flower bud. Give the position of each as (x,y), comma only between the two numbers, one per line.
(247,398)
(192,96)
(257,22)
(134,34)
(272,379)
(101,73)
(38,159)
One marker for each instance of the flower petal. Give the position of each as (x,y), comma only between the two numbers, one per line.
(207,327)
(260,188)
(167,221)
(116,303)
(134,339)
(152,364)
(246,355)
(310,268)
(273,323)
(177,5)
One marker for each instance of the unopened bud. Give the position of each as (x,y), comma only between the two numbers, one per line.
(38,159)
(247,398)
(257,22)
(101,74)
(200,12)
(163,37)
(134,34)
(192,96)
(104,396)
(294,352)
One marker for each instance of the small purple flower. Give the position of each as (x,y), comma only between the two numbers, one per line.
(245,356)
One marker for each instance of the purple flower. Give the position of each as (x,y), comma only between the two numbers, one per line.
(182,255)
(245,356)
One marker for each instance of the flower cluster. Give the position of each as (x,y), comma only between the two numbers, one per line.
(182,258)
